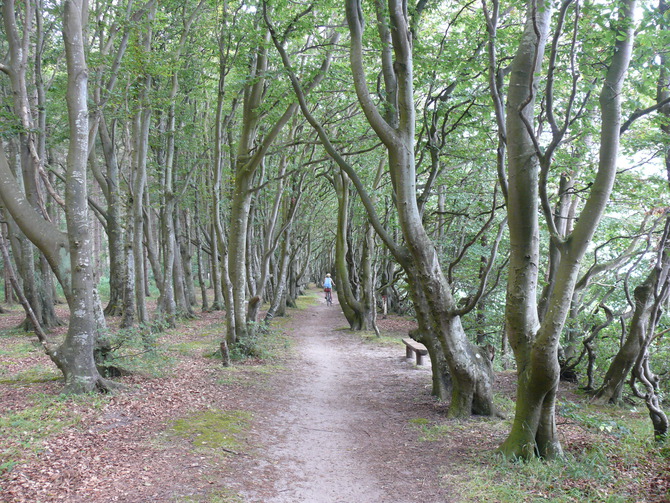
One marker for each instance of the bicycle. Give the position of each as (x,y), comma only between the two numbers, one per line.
(329,297)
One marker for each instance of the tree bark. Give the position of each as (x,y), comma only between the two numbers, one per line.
(437,313)
(36,281)
(536,343)
(141,124)
(114,226)
(617,373)
(358,312)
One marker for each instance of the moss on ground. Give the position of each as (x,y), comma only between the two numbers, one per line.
(33,375)
(22,432)
(213,429)
(218,496)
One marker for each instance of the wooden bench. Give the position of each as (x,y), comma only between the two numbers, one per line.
(415,347)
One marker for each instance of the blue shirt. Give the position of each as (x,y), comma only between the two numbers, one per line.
(328,283)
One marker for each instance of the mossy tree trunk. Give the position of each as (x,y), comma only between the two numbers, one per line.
(535,343)
(358,311)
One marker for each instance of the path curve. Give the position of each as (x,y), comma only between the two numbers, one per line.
(335,426)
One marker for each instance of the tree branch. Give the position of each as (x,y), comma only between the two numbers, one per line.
(332,151)
(641,113)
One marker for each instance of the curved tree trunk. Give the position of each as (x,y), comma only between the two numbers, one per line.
(357,312)
(75,356)
(36,284)
(437,312)
(617,373)
(535,343)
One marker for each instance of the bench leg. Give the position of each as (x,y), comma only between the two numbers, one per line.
(408,352)
(419,358)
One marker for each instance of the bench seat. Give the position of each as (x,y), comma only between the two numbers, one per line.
(413,347)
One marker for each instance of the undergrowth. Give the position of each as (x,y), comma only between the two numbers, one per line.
(262,342)
(137,351)
(609,458)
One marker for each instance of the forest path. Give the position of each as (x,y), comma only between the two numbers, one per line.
(336,425)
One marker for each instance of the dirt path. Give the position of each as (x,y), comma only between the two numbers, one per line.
(335,426)
(341,421)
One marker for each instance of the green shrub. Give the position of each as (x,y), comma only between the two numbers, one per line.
(262,342)
(136,350)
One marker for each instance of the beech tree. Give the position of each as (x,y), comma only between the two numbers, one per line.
(247,161)
(69,254)
(535,342)
(19,27)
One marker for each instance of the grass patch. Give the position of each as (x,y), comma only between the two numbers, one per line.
(20,349)
(433,432)
(605,461)
(369,336)
(584,478)
(14,332)
(213,429)
(154,363)
(598,418)
(504,404)
(219,496)
(263,342)
(137,351)
(22,432)
(192,347)
(312,298)
(33,375)
(246,375)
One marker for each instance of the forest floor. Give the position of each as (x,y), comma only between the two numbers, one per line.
(320,415)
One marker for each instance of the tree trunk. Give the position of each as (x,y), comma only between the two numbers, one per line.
(186,251)
(216,259)
(617,373)
(202,279)
(129,277)
(439,366)
(183,305)
(81,374)
(36,284)
(357,312)
(437,313)
(140,133)
(141,124)
(535,343)
(279,297)
(115,236)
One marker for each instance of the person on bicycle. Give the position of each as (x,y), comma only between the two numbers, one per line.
(328,285)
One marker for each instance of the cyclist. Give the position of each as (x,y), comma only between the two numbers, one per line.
(328,287)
